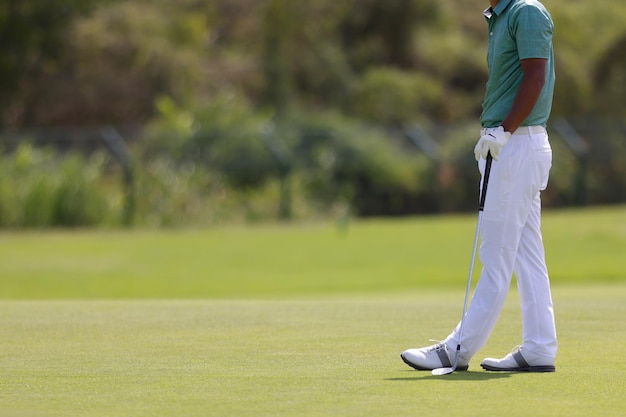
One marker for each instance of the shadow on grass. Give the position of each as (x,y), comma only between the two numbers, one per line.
(456,376)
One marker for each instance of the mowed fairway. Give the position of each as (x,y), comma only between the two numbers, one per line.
(317,357)
(293,320)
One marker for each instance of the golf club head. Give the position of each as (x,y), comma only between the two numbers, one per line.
(444,371)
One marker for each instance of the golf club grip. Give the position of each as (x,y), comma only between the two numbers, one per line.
(483,192)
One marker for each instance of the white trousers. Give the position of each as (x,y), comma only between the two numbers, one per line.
(511,242)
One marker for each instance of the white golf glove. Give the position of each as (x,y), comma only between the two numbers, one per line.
(493,140)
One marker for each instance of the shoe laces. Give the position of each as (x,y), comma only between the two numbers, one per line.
(440,344)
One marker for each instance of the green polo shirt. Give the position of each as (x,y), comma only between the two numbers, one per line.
(518,29)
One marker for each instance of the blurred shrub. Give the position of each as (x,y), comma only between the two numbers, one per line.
(45,187)
(391,97)
(38,188)
(222,135)
(98,62)
(335,160)
(458,177)
(251,170)
(366,168)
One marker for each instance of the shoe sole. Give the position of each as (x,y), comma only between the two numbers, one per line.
(540,368)
(420,368)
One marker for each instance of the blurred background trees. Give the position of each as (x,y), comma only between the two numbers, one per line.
(316,105)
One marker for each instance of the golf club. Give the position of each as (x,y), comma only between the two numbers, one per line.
(481,207)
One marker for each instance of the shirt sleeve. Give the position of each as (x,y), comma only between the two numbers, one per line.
(532,28)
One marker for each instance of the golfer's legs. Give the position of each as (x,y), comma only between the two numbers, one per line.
(533,283)
(539,331)
(511,219)
(503,219)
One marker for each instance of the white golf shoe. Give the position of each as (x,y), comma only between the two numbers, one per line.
(517,361)
(433,357)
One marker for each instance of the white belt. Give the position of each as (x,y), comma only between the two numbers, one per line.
(522,130)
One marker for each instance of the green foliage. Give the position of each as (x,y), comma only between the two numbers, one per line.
(222,135)
(338,160)
(43,188)
(248,102)
(610,81)
(38,189)
(34,35)
(360,165)
(395,98)
(107,61)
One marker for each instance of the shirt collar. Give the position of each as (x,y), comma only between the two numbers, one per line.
(502,4)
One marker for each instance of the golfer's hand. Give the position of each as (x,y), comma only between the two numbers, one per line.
(494,139)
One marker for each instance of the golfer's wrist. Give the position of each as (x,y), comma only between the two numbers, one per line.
(507,129)
(503,132)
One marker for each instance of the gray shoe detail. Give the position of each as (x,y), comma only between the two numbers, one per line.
(517,355)
(539,368)
(420,368)
(522,365)
(442,352)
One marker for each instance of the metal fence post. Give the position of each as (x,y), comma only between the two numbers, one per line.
(116,144)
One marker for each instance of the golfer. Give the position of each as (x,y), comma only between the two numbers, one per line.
(516,107)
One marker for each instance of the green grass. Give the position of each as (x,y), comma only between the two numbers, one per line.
(295,320)
(280,261)
(334,356)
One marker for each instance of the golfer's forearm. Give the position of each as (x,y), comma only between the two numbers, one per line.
(525,100)
(527,94)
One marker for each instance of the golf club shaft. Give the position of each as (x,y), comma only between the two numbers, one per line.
(481,207)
